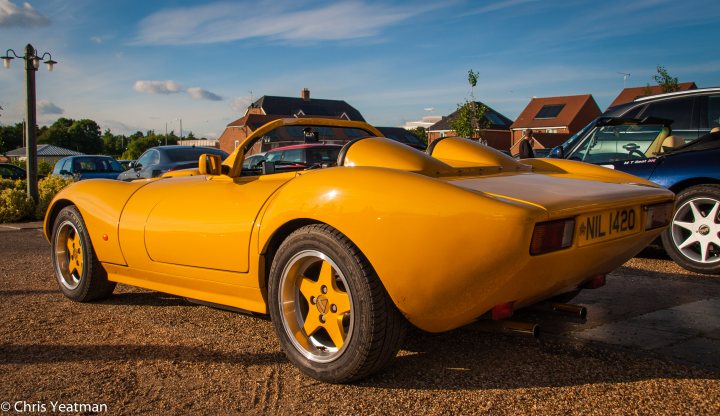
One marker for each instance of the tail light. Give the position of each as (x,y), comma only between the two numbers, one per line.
(658,215)
(552,236)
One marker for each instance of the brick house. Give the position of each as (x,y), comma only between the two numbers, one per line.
(630,94)
(268,108)
(554,119)
(496,135)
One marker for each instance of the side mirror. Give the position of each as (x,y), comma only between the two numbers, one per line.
(210,164)
(64,172)
(557,153)
(137,166)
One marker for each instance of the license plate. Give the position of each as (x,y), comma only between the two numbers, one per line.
(607,225)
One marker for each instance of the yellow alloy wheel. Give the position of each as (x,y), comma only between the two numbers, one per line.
(316,306)
(69,255)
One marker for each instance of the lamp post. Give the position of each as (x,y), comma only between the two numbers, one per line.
(32,63)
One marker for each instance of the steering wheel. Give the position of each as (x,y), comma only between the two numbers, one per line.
(637,152)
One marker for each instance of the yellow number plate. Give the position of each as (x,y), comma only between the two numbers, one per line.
(607,225)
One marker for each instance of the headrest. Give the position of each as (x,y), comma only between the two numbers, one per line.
(672,142)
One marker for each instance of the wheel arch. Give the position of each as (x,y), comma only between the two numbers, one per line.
(269,250)
(52,213)
(688,183)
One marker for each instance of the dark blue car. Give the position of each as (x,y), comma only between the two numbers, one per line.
(161,159)
(691,169)
(88,167)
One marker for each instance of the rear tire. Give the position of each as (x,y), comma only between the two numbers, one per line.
(332,315)
(79,274)
(693,238)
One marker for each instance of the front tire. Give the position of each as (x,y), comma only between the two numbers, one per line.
(79,274)
(693,238)
(332,315)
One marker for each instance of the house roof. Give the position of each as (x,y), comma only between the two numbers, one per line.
(292,106)
(253,121)
(630,94)
(497,121)
(570,107)
(45,150)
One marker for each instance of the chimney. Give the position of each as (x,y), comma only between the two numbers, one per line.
(305,94)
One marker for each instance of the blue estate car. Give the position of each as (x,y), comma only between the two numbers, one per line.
(88,167)
(690,168)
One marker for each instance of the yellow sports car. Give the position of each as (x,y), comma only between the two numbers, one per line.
(343,255)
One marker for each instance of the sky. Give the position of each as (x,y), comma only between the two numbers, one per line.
(144,65)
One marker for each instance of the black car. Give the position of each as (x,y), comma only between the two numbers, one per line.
(403,136)
(693,113)
(158,160)
(10,171)
(649,149)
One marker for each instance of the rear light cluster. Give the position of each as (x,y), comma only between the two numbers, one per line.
(552,236)
(658,215)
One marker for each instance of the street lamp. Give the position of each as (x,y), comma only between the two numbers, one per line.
(32,63)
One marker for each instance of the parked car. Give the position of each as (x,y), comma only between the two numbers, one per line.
(10,171)
(693,113)
(646,148)
(403,136)
(161,159)
(342,257)
(125,163)
(87,167)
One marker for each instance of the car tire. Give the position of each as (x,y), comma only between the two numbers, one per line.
(693,237)
(79,274)
(332,315)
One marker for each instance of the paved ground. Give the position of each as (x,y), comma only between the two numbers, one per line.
(650,346)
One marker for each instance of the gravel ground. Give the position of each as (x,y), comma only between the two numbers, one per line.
(149,353)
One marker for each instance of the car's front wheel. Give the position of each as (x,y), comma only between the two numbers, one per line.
(79,274)
(333,317)
(693,238)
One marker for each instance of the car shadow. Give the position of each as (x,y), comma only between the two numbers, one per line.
(39,354)
(467,359)
(146,299)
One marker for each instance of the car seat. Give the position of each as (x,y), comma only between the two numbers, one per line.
(670,143)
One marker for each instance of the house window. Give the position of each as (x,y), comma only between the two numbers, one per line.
(551,131)
(237,143)
(550,111)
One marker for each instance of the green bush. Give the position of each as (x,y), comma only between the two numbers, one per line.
(15,205)
(47,188)
(12,184)
(45,167)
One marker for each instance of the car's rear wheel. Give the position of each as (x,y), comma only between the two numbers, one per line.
(79,274)
(333,317)
(693,238)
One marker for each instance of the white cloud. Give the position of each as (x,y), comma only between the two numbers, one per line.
(225,22)
(500,5)
(240,104)
(157,87)
(96,39)
(46,107)
(12,15)
(201,94)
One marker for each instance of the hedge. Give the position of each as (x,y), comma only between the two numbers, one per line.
(16,206)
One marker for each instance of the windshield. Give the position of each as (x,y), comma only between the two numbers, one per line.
(619,142)
(297,134)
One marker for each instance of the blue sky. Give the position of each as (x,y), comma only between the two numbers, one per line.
(137,65)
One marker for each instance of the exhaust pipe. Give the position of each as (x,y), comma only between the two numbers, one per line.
(515,327)
(568,309)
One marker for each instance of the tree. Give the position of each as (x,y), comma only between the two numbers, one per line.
(11,137)
(421,133)
(666,82)
(80,135)
(469,120)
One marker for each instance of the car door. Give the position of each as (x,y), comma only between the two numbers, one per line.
(194,222)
